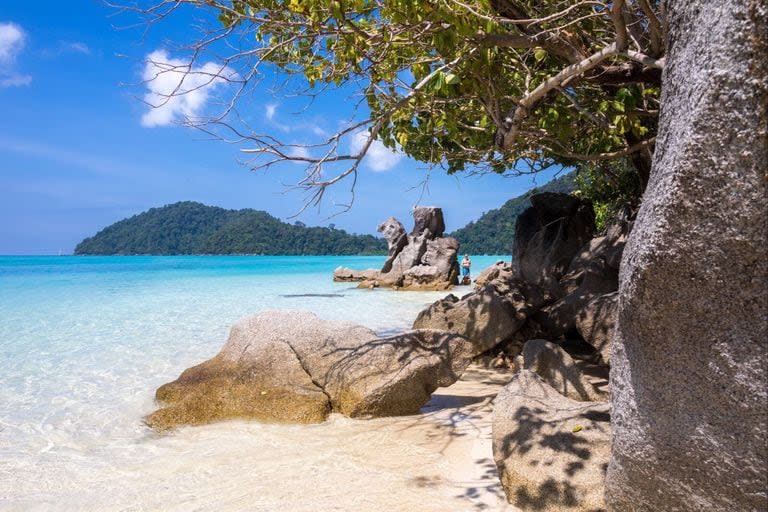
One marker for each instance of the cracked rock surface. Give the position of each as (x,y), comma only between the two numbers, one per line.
(293,367)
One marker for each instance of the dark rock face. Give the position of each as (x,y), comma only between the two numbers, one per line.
(548,235)
(690,358)
(422,260)
(551,451)
(292,367)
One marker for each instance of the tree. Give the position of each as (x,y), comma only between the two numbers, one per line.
(506,86)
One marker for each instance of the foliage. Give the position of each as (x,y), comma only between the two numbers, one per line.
(609,185)
(193,228)
(479,85)
(494,232)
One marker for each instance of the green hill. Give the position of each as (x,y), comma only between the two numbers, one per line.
(193,228)
(494,231)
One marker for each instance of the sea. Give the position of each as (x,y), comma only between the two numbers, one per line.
(86,340)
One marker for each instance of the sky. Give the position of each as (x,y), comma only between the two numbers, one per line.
(81,149)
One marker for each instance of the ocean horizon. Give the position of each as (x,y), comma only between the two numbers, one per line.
(86,340)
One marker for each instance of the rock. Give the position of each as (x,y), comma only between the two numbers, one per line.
(394,233)
(423,260)
(491,273)
(293,367)
(428,218)
(597,323)
(689,367)
(559,370)
(551,451)
(481,317)
(440,268)
(344,274)
(389,376)
(548,235)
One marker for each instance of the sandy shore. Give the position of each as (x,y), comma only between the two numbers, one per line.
(439,460)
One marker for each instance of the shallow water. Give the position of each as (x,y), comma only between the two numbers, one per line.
(85,341)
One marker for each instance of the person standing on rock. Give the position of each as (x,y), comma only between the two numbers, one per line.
(466,263)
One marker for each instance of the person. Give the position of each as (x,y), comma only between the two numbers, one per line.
(466,263)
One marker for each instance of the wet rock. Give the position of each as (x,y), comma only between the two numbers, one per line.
(551,451)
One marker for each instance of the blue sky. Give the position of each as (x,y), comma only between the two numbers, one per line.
(79,150)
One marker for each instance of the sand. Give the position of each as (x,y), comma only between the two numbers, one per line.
(439,460)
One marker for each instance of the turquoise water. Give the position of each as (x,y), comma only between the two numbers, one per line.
(85,341)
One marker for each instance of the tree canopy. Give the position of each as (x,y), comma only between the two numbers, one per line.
(193,228)
(507,86)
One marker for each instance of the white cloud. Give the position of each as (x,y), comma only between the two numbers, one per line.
(75,47)
(177,91)
(270,111)
(299,152)
(12,40)
(379,157)
(15,80)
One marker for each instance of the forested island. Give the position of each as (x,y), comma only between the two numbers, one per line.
(189,227)
(193,228)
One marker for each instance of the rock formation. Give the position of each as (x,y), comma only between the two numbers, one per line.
(551,451)
(562,281)
(548,235)
(292,367)
(689,368)
(422,260)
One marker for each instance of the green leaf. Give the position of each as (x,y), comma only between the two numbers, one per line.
(451,79)
(540,54)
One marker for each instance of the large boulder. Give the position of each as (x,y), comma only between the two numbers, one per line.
(551,452)
(439,268)
(482,317)
(689,368)
(548,235)
(596,323)
(491,273)
(559,370)
(293,367)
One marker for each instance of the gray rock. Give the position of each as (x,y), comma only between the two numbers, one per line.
(551,451)
(344,274)
(559,370)
(689,368)
(481,317)
(293,367)
(491,273)
(422,260)
(439,269)
(428,218)
(548,235)
(597,323)
(394,233)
